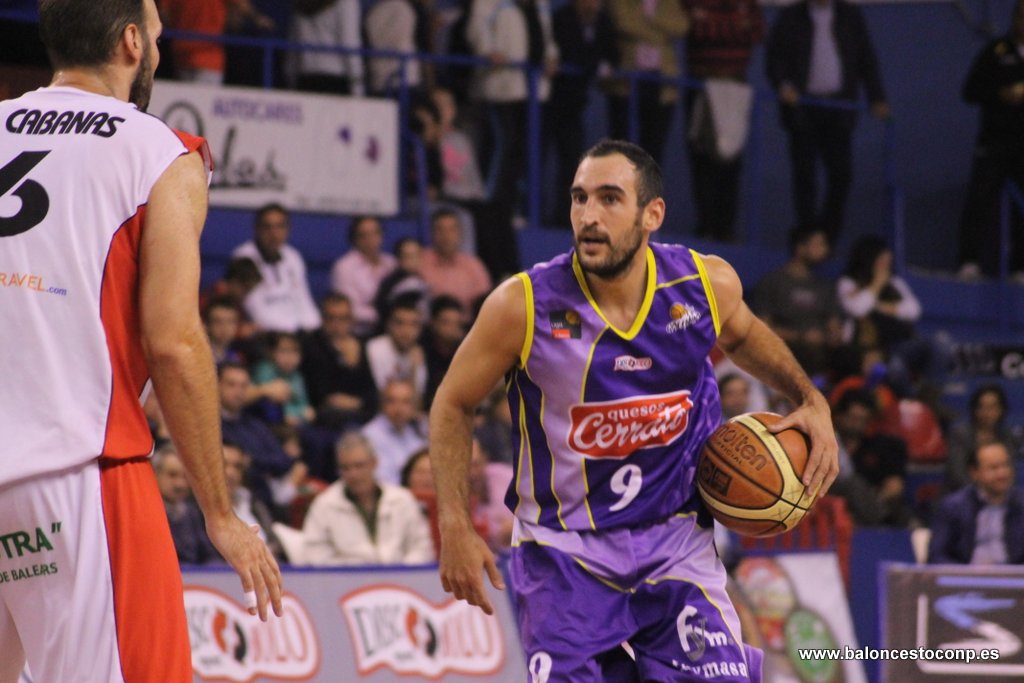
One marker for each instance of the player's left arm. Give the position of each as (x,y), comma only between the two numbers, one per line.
(754,347)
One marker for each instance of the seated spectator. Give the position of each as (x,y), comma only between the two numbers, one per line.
(800,305)
(397,354)
(986,424)
(359,272)
(221,318)
(441,339)
(418,477)
(284,362)
(494,428)
(358,520)
(734,391)
(275,476)
(282,301)
(188,529)
(250,510)
(405,281)
(398,431)
(983,522)
(866,369)
(872,468)
(488,482)
(335,367)
(334,23)
(449,270)
(241,276)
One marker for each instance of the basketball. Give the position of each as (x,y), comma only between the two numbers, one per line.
(750,478)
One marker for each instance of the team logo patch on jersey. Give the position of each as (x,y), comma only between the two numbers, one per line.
(565,324)
(615,429)
(632,364)
(683,315)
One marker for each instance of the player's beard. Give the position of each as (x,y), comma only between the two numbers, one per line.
(620,255)
(142,85)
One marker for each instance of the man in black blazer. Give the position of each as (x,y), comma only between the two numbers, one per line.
(821,49)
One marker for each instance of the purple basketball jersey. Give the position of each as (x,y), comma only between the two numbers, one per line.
(608,423)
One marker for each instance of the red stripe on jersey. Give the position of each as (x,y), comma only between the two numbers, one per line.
(194,143)
(127,432)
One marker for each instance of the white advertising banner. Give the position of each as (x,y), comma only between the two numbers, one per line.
(315,153)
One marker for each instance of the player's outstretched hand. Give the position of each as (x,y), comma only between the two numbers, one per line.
(463,555)
(814,418)
(245,551)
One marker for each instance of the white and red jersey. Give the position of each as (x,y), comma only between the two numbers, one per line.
(76,171)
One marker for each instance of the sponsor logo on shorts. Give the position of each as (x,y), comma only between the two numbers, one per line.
(615,429)
(16,545)
(694,636)
(229,645)
(683,315)
(394,627)
(540,667)
(632,364)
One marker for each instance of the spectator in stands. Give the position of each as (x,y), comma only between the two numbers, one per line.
(735,395)
(405,281)
(462,178)
(399,26)
(331,23)
(275,475)
(996,84)
(359,272)
(878,461)
(221,318)
(397,353)
(648,34)
(335,367)
(359,520)
(723,34)
(441,338)
(800,305)
(449,270)
(585,37)
(282,301)
(397,431)
(188,529)
(488,482)
(983,522)
(986,423)
(508,33)
(250,510)
(283,364)
(821,49)
(241,276)
(419,479)
(493,428)
(202,61)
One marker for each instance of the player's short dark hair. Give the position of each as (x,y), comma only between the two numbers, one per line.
(84,34)
(271,207)
(356,221)
(648,173)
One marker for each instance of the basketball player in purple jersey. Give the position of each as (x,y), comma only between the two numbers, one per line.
(605,354)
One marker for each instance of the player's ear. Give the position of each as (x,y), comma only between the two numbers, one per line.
(654,214)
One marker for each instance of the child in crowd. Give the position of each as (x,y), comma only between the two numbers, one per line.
(284,361)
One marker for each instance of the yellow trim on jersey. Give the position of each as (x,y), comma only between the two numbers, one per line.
(645,307)
(685,278)
(522,450)
(590,359)
(554,489)
(709,291)
(524,353)
(655,582)
(586,494)
(583,461)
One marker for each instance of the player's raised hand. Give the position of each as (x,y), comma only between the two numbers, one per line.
(814,418)
(463,555)
(245,551)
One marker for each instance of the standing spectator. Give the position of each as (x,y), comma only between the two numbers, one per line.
(358,520)
(331,23)
(648,33)
(821,49)
(405,281)
(585,38)
(986,423)
(399,26)
(722,37)
(283,364)
(337,373)
(202,61)
(188,529)
(444,333)
(282,302)
(996,84)
(359,272)
(798,304)
(397,431)
(397,353)
(449,270)
(983,522)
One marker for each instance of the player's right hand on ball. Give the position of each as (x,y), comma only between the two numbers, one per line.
(463,554)
(242,548)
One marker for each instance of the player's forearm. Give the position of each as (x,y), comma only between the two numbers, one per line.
(765,356)
(185,386)
(450,448)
